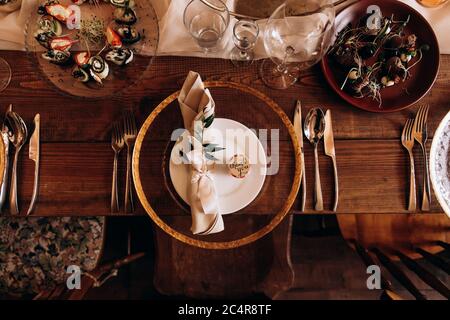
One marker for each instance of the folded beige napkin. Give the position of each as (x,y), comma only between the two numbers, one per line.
(197,104)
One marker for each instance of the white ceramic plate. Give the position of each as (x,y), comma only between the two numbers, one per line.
(440,164)
(234,194)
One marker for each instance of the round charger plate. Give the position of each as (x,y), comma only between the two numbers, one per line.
(423,75)
(120,78)
(2,159)
(440,164)
(233,193)
(151,157)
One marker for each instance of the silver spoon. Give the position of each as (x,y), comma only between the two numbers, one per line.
(314,128)
(18,138)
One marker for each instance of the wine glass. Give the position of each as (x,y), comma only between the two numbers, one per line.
(206,22)
(5,74)
(245,34)
(297,35)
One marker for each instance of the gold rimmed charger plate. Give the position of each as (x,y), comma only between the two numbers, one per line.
(278,217)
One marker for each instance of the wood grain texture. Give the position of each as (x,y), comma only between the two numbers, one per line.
(263,266)
(76,180)
(400,232)
(66,118)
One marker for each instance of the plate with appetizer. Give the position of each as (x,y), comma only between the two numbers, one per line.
(385,56)
(92,48)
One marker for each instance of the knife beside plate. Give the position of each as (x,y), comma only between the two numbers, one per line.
(34,154)
(299,132)
(331,152)
(5,167)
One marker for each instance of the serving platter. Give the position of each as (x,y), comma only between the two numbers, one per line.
(423,75)
(120,77)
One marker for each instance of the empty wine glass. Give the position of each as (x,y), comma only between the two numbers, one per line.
(297,35)
(5,74)
(206,23)
(245,34)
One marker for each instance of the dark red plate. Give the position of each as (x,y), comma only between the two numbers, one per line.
(423,74)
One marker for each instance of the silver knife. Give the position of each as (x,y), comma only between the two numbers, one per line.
(331,152)
(34,154)
(5,140)
(299,131)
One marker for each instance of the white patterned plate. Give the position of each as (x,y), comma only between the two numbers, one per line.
(440,164)
(234,194)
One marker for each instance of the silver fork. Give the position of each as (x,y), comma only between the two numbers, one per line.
(117,144)
(420,134)
(408,143)
(130,133)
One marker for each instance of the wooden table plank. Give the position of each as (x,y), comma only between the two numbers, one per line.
(76,157)
(76,179)
(66,118)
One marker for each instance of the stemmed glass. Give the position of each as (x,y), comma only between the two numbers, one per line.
(245,34)
(206,23)
(297,35)
(5,74)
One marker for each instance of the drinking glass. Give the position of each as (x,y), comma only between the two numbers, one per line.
(245,34)
(5,74)
(297,35)
(206,23)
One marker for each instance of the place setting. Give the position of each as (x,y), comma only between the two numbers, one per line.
(242,148)
(15,134)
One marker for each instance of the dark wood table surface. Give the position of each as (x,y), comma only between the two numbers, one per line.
(76,157)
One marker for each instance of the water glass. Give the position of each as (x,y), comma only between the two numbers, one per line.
(245,34)
(206,21)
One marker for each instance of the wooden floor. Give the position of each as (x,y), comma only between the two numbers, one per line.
(325,267)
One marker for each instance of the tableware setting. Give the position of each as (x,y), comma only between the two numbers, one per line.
(92,48)
(415,130)
(316,126)
(216,168)
(123,134)
(15,136)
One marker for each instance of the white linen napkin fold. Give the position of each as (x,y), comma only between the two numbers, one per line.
(197,104)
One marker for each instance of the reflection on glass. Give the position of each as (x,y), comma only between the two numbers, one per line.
(431,3)
(245,34)
(297,36)
(206,24)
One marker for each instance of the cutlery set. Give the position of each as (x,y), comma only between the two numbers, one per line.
(123,134)
(416,130)
(317,125)
(15,133)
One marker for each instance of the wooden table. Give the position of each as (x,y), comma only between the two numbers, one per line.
(77,157)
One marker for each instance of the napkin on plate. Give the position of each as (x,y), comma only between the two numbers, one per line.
(197,104)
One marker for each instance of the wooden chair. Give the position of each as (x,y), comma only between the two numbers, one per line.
(397,241)
(35,253)
(94,278)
